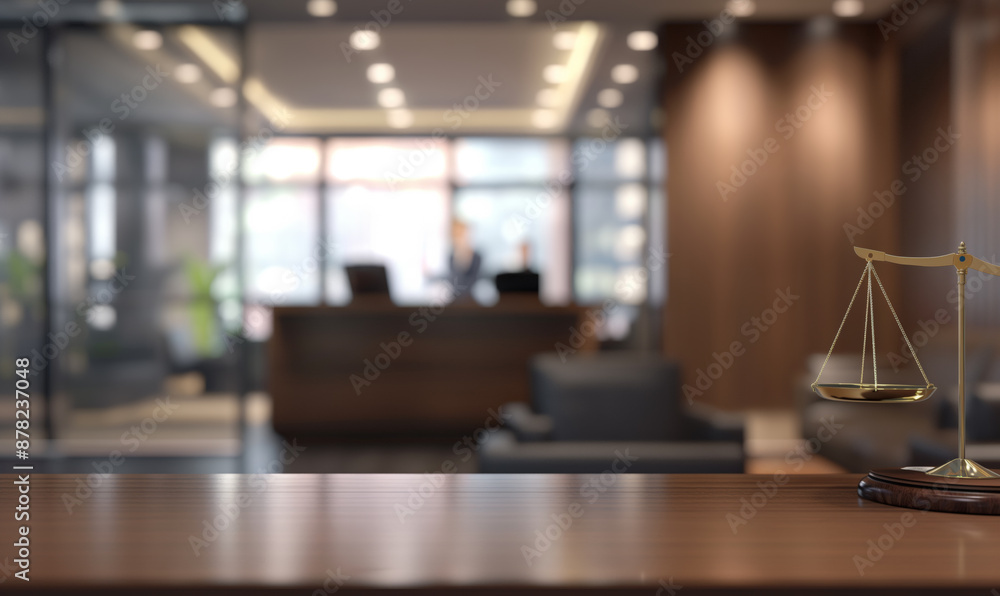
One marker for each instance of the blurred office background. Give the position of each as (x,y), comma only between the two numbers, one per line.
(185,188)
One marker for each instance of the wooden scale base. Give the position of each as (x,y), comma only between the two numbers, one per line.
(914,489)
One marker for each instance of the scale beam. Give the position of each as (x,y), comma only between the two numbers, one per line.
(877,255)
(960,261)
(985,267)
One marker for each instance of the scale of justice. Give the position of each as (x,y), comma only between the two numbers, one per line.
(959,486)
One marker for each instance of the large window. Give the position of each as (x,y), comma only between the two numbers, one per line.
(578,213)
(387,204)
(510,195)
(612,204)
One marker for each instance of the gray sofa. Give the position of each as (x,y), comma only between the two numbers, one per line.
(589,411)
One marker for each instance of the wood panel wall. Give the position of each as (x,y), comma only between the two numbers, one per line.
(976,113)
(928,214)
(783,229)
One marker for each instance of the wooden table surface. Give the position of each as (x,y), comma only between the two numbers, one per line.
(642,534)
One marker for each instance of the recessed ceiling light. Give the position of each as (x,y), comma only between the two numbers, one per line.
(598,117)
(547,98)
(223,97)
(741,8)
(110,9)
(391,97)
(848,8)
(554,74)
(400,118)
(187,73)
(641,41)
(609,98)
(147,39)
(521,8)
(543,118)
(623,74)
(365,40)
(321,8)
(381,73)
(564,40)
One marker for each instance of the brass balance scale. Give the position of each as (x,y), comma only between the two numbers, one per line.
(959,486)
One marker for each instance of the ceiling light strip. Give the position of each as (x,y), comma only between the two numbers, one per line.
(578,68)
(210,52)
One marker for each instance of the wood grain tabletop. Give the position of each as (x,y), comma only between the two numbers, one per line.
(613,533)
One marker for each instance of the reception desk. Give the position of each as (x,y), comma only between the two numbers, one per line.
(378,369)
(484,534)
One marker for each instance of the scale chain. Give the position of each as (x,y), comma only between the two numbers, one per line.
(869,316)
(839,329)
(870,271)
(871,308)
(900,325)
(864,327)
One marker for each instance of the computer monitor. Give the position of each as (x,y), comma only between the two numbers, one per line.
(368,280)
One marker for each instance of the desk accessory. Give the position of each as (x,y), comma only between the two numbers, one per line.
(959,486)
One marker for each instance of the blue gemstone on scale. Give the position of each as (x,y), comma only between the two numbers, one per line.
(961,258)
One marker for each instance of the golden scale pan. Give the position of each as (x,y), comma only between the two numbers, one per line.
(961,485)
(875,391)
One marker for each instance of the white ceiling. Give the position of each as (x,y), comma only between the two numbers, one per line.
(611,11)
(467,78)
(440,49)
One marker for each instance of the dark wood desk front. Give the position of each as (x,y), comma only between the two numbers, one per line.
(479,534)
(376,368)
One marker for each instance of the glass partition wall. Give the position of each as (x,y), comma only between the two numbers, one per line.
(22,235)
(144,250)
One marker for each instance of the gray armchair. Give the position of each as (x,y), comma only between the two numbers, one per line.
(586,410)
